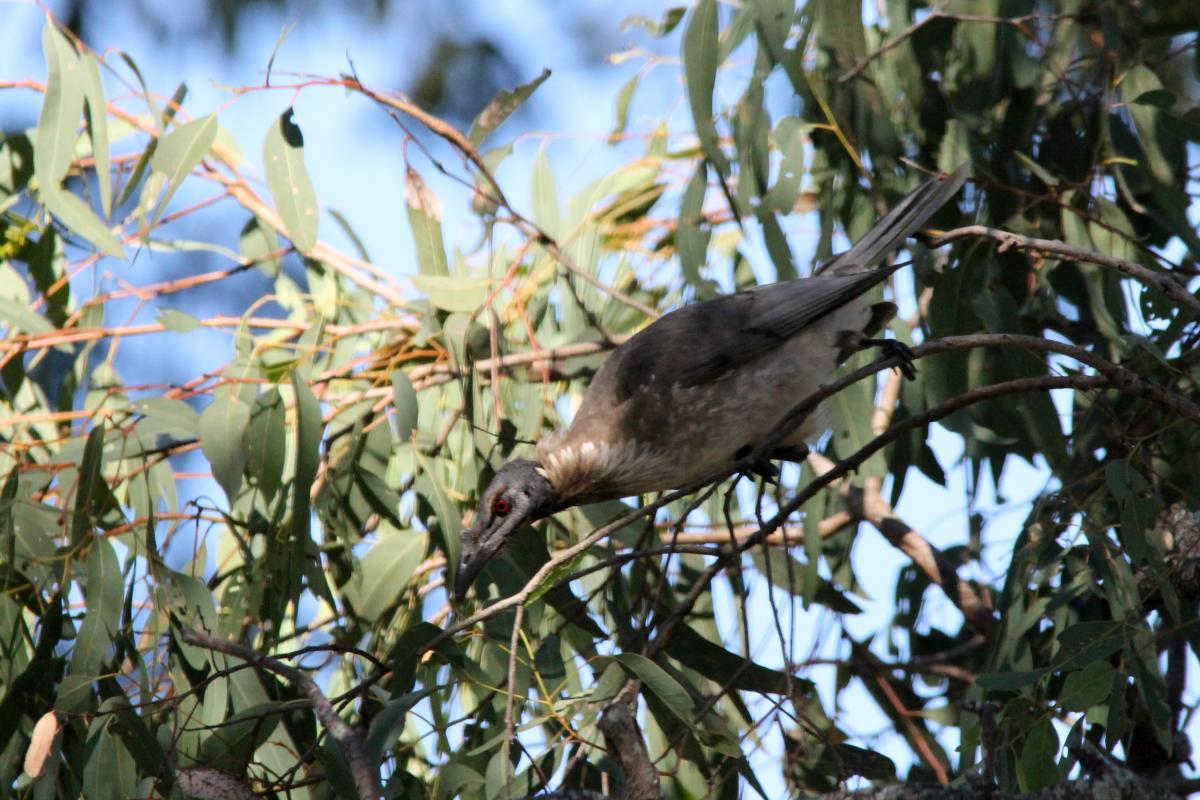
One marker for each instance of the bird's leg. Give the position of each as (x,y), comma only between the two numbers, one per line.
(795,454)
(762,466)
(894,348)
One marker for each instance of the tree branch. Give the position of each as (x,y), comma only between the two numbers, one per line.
(1162,281)
(366,774)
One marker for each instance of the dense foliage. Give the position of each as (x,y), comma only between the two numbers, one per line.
(284,627)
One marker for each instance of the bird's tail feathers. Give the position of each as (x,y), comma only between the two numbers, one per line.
(890,232)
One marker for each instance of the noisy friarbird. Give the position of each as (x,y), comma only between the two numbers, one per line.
(691,394)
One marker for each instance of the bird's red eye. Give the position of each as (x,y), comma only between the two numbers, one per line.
(501,506)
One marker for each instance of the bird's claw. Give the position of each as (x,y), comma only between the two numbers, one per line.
(894,348)
(763,468)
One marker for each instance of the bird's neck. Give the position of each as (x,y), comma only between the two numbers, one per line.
(587,471)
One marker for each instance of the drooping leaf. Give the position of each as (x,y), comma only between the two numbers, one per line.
(1039,757)
(387,570)
(404,399)
(464,295)
(425,218)
(265,439)
(221,427)
(54,145)
(287,177)
(502,107)
(97,114)
(700,61)
(180,151)
(75,214)
(308,455)
(1086,687)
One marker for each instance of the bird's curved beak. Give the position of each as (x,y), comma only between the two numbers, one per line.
(478,548)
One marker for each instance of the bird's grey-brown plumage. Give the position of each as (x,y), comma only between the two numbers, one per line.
(678,402)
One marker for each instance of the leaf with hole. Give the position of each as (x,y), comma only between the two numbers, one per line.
(287,177)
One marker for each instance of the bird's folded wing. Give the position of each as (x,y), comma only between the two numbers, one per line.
(699,344)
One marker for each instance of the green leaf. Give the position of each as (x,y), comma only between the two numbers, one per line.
(89,484)
(147,751)
(728,669)
(624,98)
(1009,681)
(842,28)
(700,59)
(1142,82)
(1135,500)
(453,294)
(545,195)
(404,398)
(1037,169)
(221,427)
(265,439)
(846,761)
(308,455)
(75,214)
(1039,757)
(502,107)
(449,520)
(54,145)
(241,734)
(97,111)
(22,317)
(389,723)
(654,678)
(291,188)
(387,570)
(110,772)
(1087,687)
(1159,98)
(179,321)
(670,19)
(801,580)
(104,594)
(180,151)
(691,239)
(259,244)
(168,415)
(1150,683)
(168,114)
(1085,642)
(425,219)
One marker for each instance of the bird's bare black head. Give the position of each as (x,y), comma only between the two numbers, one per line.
(519,494)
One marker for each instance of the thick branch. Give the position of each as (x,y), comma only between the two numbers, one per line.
(624,737)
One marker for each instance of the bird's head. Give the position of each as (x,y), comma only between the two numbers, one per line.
(519,494)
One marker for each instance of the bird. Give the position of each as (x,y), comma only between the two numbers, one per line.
(699,389)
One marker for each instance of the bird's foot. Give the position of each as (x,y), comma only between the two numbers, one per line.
(763,468)
(893,348)
(760,466)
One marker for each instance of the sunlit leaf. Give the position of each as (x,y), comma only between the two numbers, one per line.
(97,111)
(287,177)
(59,121)
(221,426)
(502,107)
(180,151)
(425,217)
